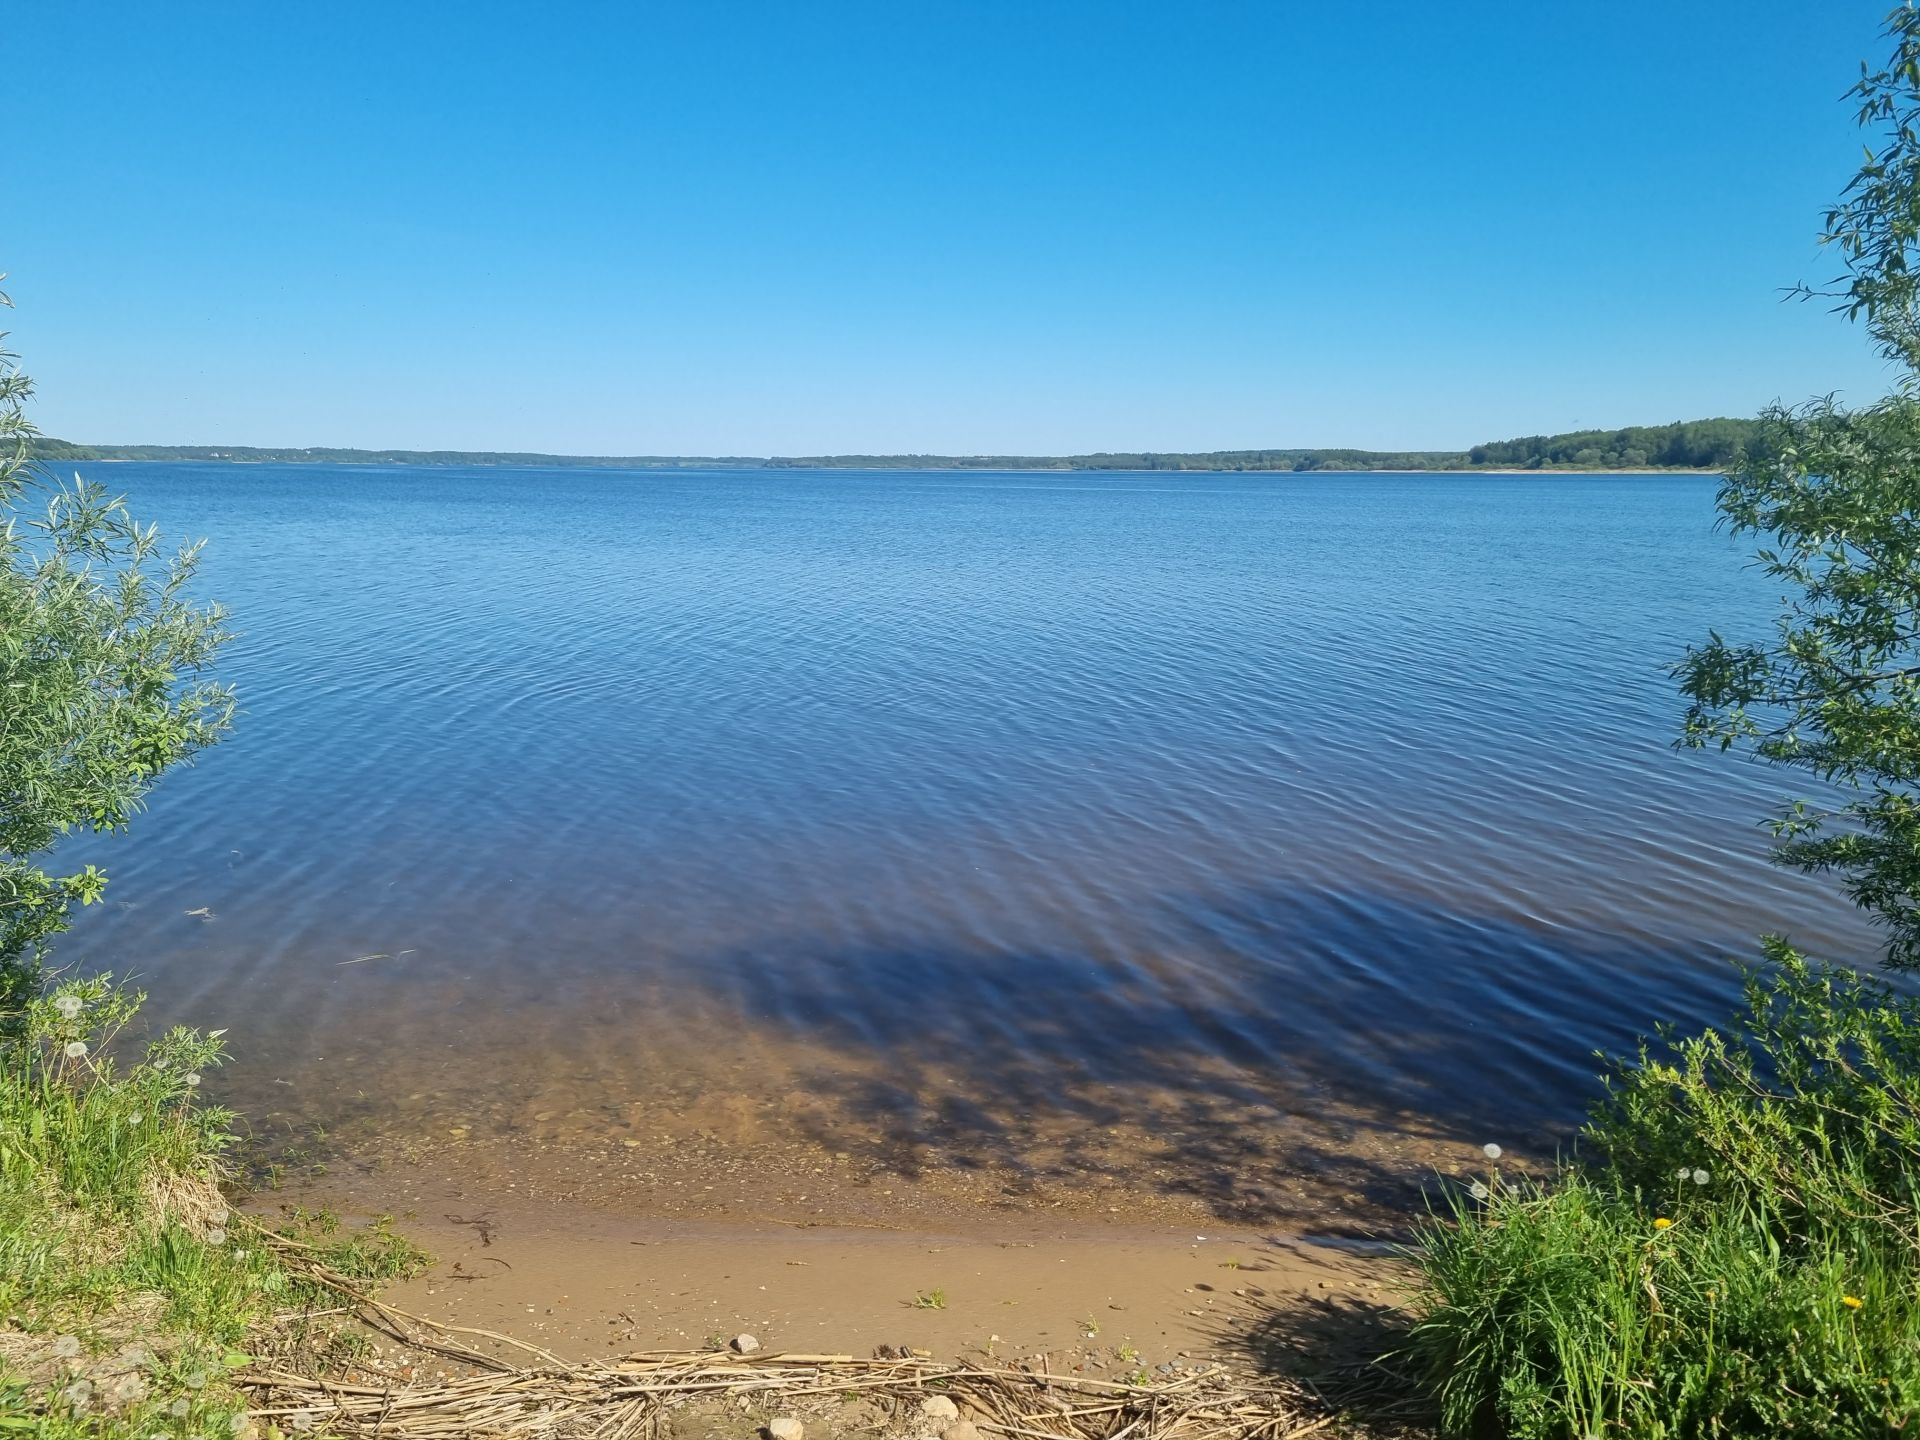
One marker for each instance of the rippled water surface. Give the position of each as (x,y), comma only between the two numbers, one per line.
(925,805)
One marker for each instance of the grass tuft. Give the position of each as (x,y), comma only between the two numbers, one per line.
(131,1295)
(1738,1254)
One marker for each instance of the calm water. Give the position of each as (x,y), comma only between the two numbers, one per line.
(933,803)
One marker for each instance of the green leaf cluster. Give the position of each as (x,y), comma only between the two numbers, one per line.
(103,660)
(1833,495)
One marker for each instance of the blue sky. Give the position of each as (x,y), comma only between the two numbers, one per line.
(1015,225)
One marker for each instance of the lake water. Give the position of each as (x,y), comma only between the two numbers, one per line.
(955,817)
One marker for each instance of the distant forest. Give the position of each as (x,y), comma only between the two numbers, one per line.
(1683,445)
(1686,444)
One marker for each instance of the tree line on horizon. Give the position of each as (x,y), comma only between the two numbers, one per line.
(1713,444)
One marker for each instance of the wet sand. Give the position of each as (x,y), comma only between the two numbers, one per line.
(1102,1298)
(800,1153)
(599,1251)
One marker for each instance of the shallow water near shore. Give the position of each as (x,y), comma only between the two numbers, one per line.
(1242,842)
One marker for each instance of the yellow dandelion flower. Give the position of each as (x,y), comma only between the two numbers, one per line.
(1852,1302)
(1662,1223)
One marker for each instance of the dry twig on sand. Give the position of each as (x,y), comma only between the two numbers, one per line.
(545,1396)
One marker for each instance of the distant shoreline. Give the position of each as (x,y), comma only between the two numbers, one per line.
(1683,447)
(917,469)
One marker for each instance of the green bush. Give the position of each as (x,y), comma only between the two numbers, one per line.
(104,657)
(129,1293)
(1738,1253)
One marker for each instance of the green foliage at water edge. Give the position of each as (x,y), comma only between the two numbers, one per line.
(102,663)
(135,1302)
(1737,1256)
(131,1296)
(1834,495)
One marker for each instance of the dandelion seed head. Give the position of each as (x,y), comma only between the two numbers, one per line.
(69,1006)
(216,1236)
(1700,1177)
(135,1118)
(219,1217)
(191,1079)
(180,1408)
(1478,1191)
(1491,1151)
(66,1347)
(301,1422)
(79,1394)
(196,1381)
(128,1390)
(1686,1172)
(76,1050)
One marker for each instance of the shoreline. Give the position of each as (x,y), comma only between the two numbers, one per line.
(741,1155)
(1080,1297)
(901,470)
(1103,1276)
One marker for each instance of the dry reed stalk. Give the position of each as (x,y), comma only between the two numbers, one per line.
(629,1399)
(613,1401)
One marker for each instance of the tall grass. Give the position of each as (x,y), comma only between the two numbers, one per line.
(1736,1252)
(130,1295)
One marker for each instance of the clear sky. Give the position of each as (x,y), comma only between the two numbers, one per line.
(1036,226)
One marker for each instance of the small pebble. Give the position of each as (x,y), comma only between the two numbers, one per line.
(745,1344)
(786,1428)
(939,1407)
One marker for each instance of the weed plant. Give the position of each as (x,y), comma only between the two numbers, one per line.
(132,1296)
(1734,1252)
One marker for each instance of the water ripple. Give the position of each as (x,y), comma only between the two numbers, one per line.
(1096,789)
